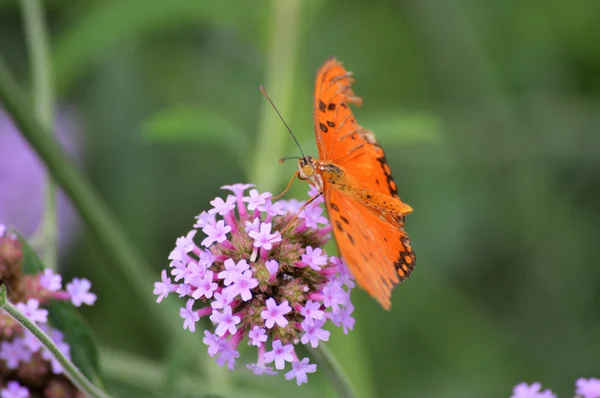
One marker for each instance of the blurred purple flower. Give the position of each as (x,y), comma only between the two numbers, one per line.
(23,176)
(588,388)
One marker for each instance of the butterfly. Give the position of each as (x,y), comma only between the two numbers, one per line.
(361,196)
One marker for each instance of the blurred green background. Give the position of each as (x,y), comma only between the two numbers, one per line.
(489,115)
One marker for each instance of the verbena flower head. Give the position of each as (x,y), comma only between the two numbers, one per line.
(588,388)
(260,274)
(26,368)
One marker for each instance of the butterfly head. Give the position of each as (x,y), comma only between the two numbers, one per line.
(307,170)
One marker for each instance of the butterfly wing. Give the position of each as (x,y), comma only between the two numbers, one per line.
(378,253)
(340,138)
(372,242)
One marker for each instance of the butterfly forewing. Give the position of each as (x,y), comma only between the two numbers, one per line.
(371,241)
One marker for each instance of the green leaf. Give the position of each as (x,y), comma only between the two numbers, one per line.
(189,123)
(66,318)
(395,129)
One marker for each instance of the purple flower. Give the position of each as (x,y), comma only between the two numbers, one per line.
(212,341)
(163,288)
(257,336)
(255,199)
(314,333)
(314,258)
(32,311)
(232,271)
(272,266)
(216,233)
(274,314)
(242,285)
(24,178)
(588,388)
(280,354)
(50,281)
(265,239)
(189,315)
(79,291)
(204,219)
(260,370)
(299,371)
(312,216)
(312,310)
(204,285)
(255,283)
(14,352)
(14,390)
(225,321)
(524,390)
(221,206)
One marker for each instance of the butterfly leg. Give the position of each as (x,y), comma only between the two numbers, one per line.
(300,210)
(296,174)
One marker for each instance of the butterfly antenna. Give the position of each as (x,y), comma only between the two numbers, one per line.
(262,90)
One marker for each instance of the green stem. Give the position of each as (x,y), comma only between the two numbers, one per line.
(43,97)
(71,371)
(338,379)
(92,209)
(272,138)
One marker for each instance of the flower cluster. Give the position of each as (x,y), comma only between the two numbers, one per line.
(261,273)
(26,367)
(584,388)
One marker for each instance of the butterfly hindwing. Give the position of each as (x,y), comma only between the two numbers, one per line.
(378,253)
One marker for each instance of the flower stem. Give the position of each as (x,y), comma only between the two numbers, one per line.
(271,140)
(334,371)
(43,93)
(71,371)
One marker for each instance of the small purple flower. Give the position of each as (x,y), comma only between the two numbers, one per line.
(232,271)
(255,283)
(242,285)
(14,390)
(274,314)
(79,291)
(225,321)
(189,315)
(204,219)
(280,354)
(221,206)
(212,341)
(163,288)
(255,199)
(314,333)
(311,311)
(33,311)
(265,239)
(299,371)
(221,300)
(260,370)
(257,336)
(272,266)
(588,388)
(186,243)
(50,281)
(312,216)
(14,352)
(217,233)
(523,390)
(204,285)
(314,258)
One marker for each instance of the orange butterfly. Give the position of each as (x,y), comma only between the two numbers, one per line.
(360,195)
